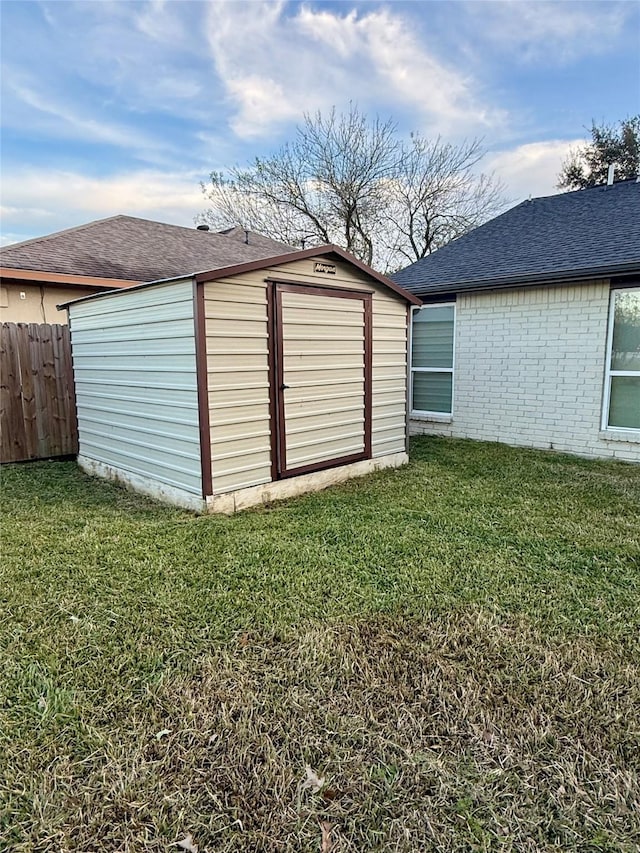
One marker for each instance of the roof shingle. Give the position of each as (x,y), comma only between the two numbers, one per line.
(126,247)
(584,233)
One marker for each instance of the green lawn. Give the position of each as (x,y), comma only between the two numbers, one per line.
(453,648)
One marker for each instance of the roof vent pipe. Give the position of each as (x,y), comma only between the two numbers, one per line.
(246,236)
(612,167)
(202,227)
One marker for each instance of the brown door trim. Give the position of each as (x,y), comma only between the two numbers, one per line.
(274,416)
(321,466)
(319,290)
(368,374)
(278,387)
(279,469)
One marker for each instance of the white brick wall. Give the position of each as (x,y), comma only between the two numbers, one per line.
(530,370)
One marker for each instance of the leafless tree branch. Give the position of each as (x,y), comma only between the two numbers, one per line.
(349,180)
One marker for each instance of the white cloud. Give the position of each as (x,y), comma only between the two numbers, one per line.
(36,203)
(157,21)
(554,31)
(122,60)
(263,103)
(403,66)
(276,64)
(253,51)
(530,169)
(67,121)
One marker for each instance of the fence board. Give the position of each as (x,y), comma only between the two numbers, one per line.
(37,399)
(13,437)
(66,398)
(39,387)
(58,372)
(50,413)
(29,413)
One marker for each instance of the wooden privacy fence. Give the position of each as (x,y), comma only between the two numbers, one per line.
(37,399)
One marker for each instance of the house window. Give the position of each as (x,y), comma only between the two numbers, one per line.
(622,385)
(432,360)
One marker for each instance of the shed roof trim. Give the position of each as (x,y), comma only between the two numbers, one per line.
(314,251)
(267,263)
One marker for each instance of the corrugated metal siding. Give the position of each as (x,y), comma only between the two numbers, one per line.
(389,384)
(323,365)
(238,375)
(389,346)
(238,380)
(135,372)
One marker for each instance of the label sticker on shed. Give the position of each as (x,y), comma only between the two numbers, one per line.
(327,269)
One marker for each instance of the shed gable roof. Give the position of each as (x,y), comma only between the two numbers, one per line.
(268,263)
(128,248)
(314,251)
(585,233)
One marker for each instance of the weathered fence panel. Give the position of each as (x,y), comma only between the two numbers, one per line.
(37,399)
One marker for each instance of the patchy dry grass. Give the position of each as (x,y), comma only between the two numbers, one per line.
(454,733)
(452,648)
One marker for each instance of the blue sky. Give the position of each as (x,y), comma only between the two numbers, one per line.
(124,107)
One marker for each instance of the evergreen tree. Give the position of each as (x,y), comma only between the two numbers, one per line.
(588,166)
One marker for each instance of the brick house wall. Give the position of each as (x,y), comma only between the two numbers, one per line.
(529,371)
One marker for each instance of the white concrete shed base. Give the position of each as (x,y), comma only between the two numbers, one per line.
(231,502)
(145,485)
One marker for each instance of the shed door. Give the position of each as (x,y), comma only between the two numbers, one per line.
(323,377)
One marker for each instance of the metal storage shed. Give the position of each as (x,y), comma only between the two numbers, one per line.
(220,390)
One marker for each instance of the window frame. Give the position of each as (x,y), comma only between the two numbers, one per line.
(420,413)
(609,373)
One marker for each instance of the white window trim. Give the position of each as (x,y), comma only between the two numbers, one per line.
(608,373)
(443,417)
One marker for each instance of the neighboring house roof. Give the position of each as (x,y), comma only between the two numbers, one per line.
(126,248)
(273,261)
(577,235)
(258,240)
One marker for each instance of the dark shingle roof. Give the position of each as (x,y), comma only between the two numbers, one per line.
(585,233)
(126,247)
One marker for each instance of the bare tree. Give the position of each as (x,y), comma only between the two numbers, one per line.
(353,182)
(436,197)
